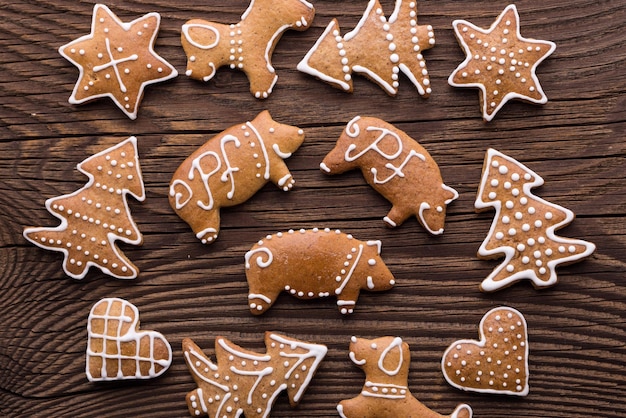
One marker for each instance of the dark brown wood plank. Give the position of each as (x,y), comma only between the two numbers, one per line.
(575,142)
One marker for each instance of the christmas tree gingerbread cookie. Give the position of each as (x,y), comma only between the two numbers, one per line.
(523,229)
(245,382)
(97,215)
(379,47)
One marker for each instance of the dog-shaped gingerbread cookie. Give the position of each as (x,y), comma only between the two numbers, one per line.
(247,45)
(385,394)
(229,169)
(397,167)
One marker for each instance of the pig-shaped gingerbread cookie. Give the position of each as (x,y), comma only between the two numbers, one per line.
(314,263)
(397,167)
(229,169)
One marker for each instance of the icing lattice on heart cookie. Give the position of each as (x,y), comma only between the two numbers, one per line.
(117,350)
(498,363)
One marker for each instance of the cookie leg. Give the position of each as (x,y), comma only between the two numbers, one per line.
(346,301)
(280,175)
(396,217)
(260,302)
(262,83)
(208,228)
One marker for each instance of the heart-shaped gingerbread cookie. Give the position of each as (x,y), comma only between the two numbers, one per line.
(498,363)
(117,350)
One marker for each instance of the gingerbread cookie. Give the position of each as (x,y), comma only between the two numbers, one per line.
(523,229)
(97,215)
(314,263)
(117,60)
(500,62)
(117,349)
(229,169)
(386,393)
(379,48)
(397,167)
(498,363)
(246,382)
(247,45)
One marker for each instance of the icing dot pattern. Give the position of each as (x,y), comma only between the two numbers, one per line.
(500,62)
(379,47)
(498,363)
(314,263)
(523,227)
(96,215)
(117,60)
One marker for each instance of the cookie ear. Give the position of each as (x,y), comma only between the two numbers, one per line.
(201,35)
(449,194)
(386,357)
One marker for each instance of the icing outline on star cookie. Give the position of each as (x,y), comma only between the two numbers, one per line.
(511,65)
(117,40)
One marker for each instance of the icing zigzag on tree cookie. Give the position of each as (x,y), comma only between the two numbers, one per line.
(378,48)
(524,226)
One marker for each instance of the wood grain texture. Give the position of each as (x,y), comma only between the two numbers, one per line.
(576,142)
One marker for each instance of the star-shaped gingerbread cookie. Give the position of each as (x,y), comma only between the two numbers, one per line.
(117,60)
(500,62)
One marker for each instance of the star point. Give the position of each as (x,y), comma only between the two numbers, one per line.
(117,60)
(500,62)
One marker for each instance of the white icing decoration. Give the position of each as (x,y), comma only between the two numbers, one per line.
(185,31)
(259,261)
(399,55)
(63,213)
(355,360)
(484,346)
(489,110)
(372,389)
(96,24)
(510,252)
(396,343)
(132,335)
(236,35)
(350,272)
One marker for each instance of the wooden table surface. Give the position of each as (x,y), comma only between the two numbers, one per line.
(576,142)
